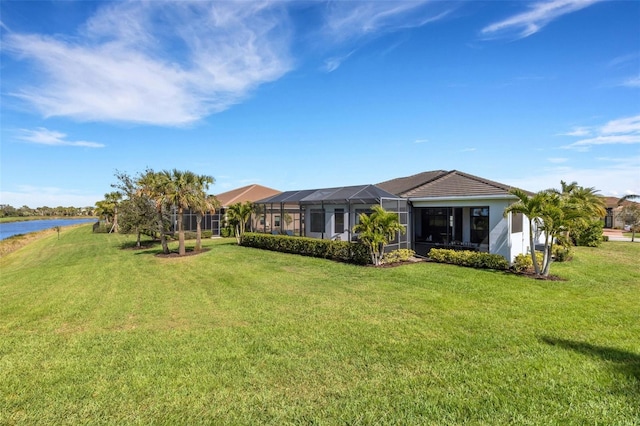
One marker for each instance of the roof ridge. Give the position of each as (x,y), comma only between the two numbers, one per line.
(483,180)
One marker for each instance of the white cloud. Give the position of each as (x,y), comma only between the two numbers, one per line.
(421,141)
(620,131)
(577,131)
(538,16)
(332,64)
(611,176)
(32,196)
(353,19)
(468,150)
(163,63)
(44,136)
(632,82)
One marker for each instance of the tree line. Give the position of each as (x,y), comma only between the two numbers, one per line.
(7,210)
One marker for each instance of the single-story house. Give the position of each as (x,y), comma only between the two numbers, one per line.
(328,213)
(216,221)
(440,209)
(453,209)
(614,217)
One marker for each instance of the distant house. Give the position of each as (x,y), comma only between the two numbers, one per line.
(614,218)
(215,222)
(439,209)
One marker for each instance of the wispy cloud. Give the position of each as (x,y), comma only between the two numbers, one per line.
(468,150)
(577,131)
(557,160)
(353,19)
(332,64)
(632,82)
(44,136)
(537,17)
(620,131)
(418,141)
(611,176)
(162,63)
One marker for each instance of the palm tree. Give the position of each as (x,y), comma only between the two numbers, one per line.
(376,230)
(109,209)
(203,205)
(585,202)
(238,214)
(628,197)
(181,194)
(153,185)
(530,206)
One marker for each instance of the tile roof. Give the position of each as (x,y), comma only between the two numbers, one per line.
(246,193)
(440,183)
(365,194)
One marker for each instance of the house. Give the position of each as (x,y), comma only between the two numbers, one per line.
(439,209)
(614,218)
(328,213)
(215,221)
(452,209)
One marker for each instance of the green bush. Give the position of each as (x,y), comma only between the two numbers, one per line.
(469,258)
(523,262)
(605,238)
(343,251)
(561,253)
(207,234)
(400,255)
(589,234)
(226,232)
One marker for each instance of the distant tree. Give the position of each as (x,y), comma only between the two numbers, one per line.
(631,216)
(108,208)
(238,215)
(137,212)
(376,230)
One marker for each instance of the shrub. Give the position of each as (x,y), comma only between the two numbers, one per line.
(226,232)
(561,253)
(207,234)
(336,250)
(523,262)
(469,258)
(589,234)
(400,255)
(605,238)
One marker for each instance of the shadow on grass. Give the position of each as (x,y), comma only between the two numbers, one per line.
(627,363)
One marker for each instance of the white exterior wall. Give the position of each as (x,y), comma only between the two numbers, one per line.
(501,241)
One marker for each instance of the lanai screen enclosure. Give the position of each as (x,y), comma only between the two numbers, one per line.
(329,213)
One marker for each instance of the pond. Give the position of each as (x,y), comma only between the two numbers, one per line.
(10,229)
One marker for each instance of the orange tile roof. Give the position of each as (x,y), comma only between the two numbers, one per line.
(251,193)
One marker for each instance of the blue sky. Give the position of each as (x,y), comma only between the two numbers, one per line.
(299,95)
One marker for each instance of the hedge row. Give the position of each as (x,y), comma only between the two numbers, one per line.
(343,251)
(473,259)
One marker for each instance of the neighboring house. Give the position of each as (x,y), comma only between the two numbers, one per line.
(328,213)
(457,210)
(215,222)
(614,218)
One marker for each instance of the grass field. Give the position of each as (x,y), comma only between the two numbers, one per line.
(93,333)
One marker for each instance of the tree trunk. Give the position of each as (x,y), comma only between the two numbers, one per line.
(532,244)
(181,249)
(198,232)
(163,237)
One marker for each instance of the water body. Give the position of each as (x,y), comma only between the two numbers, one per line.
(24,227)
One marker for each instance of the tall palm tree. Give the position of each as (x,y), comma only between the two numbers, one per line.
(376,230)
(202,205)
(238,215)
(585,204)
(530,206)
(153,185)
(181,194)
(628,197)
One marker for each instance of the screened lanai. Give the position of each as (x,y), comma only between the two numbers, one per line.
(328,213)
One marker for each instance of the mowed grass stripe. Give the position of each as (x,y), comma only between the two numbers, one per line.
(90,332)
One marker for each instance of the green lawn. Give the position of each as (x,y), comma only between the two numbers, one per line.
(92,333)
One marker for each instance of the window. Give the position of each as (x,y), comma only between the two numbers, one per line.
(516,222)
(276,221)
(317,220)
(479,225)
(338,226)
